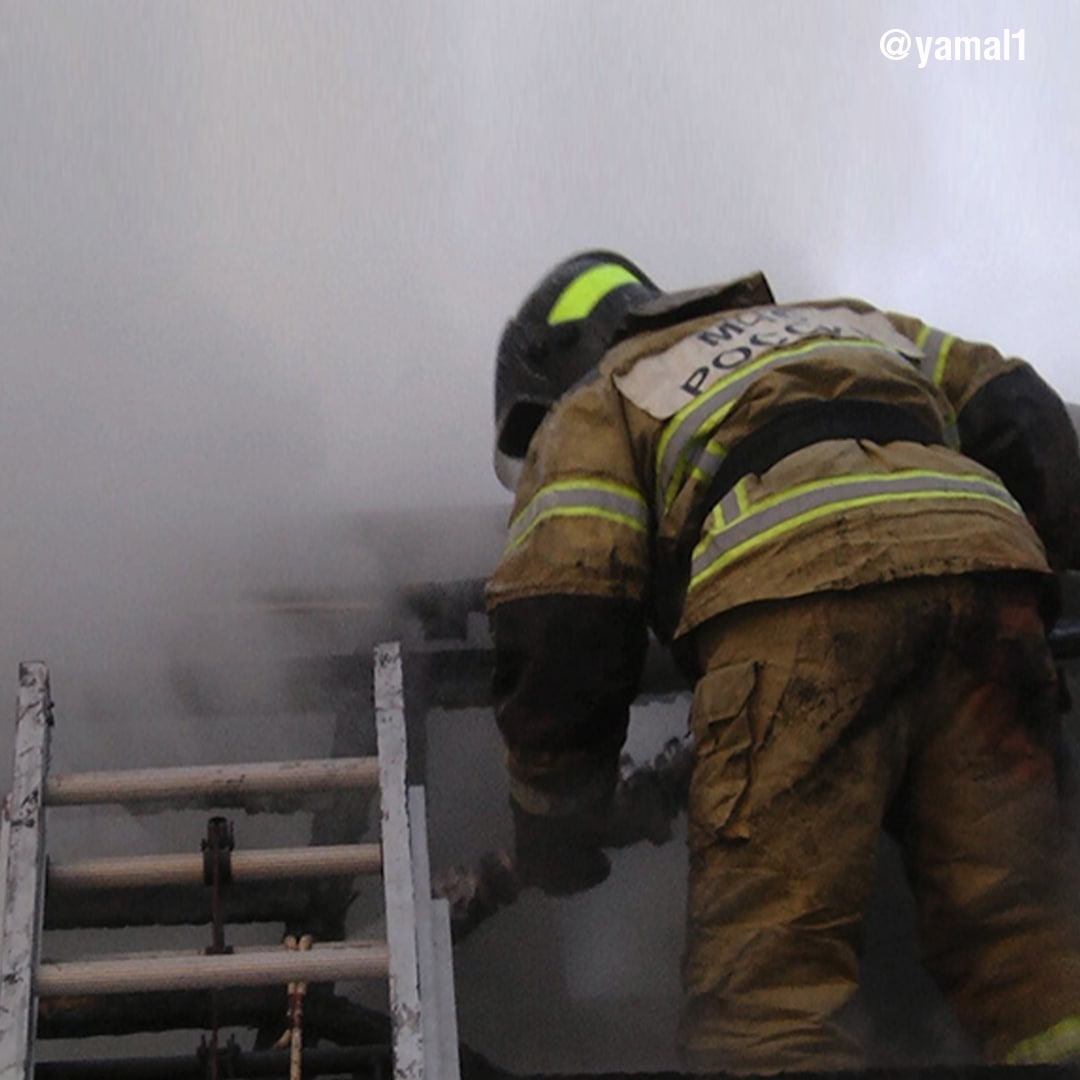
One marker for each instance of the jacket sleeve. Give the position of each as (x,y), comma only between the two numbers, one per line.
(1011,421)
(567,606)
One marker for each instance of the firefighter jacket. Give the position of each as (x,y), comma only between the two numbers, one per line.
(731,450)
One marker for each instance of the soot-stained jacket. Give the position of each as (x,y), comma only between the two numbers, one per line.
(730,450)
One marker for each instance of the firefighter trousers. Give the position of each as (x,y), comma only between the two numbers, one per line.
(933,704)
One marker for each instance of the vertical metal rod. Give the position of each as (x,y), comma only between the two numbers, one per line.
(24,887)
(216,852)
(397,866)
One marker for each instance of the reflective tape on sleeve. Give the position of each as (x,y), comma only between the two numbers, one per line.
(603,499)
(1057,1044)
(736,528)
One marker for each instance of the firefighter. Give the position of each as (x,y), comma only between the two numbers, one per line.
(845,524)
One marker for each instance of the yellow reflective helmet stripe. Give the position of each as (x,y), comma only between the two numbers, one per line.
(737,527)
(587,290)
(603,499)
(1058,1043)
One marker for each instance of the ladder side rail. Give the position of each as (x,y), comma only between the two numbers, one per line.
(425,947)
(24,889)
(436,964)
(5,835)
(398,882)
(445,993)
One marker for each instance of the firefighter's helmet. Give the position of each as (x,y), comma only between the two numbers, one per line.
(557,338)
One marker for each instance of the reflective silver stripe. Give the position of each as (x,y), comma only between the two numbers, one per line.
(930,348)
(935,346)
(703,460)
(729,507)
(723,539)
(575,498)
(1058,1043)
(952,432)
(678,454)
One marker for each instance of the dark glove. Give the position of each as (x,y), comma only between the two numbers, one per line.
(560,855)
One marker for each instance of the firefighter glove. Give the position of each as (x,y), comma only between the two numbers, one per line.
(560,855)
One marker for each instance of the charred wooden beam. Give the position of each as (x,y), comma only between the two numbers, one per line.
(443,608)
(460,671)
(456,677)
(232,1061)
(331,1016)
(290,902)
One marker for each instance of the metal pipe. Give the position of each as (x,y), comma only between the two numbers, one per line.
(150,870)
(211,782)
(196,971)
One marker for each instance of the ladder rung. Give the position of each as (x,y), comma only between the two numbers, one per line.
(145,870)
(210,782)
(196,971)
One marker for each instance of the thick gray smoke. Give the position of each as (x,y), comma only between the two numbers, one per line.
(253,265)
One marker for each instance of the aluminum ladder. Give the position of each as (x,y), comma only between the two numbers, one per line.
(415,958)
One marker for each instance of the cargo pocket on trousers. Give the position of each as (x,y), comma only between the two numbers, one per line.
(720,785)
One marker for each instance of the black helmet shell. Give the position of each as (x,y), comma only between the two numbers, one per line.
(558,337)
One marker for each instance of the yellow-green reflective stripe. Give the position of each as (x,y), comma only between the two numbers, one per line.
(703,411)
(577,511)
(929,341)
(587,290)
(696,419)
(856,479)
(568,487)
(730,506)
(730,554)
(952,431)
(942,359)
(692,451)
(731,536)
(1058,1043)
(707,461)
(576,498)
(935,345)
